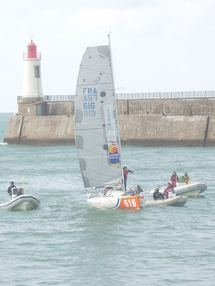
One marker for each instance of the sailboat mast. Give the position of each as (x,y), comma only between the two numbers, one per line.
(120,149)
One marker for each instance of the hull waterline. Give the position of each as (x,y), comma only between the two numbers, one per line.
(118,202)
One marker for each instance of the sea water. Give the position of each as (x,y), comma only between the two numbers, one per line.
(66,242)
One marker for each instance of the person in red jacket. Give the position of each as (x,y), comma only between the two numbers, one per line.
(125,173)
(168,189)
(174,179)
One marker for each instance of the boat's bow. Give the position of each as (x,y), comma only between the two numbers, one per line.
(190,190)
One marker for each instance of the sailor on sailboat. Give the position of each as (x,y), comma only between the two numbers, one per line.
(97,133)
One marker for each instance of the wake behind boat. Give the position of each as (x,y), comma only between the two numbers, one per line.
(21,202)
(97,134)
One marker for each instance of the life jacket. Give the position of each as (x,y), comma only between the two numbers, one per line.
(167,190)
(186,178)
(173,180)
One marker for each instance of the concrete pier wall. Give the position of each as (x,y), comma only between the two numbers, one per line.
(198,106)
(40,130)
(158,130)
(159,122)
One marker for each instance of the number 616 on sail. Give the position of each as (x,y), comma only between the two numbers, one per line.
(89,109)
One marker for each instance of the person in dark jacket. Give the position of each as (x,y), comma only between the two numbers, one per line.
(9,190)
(20,192)
(157,195)
(125,173)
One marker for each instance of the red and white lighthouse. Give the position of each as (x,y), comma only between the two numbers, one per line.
(32,87)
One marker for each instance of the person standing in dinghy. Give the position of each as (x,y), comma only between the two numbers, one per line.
(186,178)
(169,190)
(125,173)
(9,190)
(174,179)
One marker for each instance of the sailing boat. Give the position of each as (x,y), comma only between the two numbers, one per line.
(97,134)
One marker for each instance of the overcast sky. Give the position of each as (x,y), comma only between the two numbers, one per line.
(157,45)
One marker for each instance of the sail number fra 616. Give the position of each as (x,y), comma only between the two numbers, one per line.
(89,108)
(89,98)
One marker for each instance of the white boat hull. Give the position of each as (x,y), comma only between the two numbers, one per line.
(176,201)
(114,202)
(190,190)
(21,203)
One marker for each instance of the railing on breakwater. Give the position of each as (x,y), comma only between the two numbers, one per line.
(143,95)
(166,95)
(67,97)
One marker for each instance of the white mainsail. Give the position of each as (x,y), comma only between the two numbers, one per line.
(96,123)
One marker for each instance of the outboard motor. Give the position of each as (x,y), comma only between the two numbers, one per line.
(14,193)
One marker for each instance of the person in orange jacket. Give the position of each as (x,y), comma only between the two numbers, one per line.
(186,178)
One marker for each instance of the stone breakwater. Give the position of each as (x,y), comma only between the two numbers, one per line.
(159,122)
(40,130)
